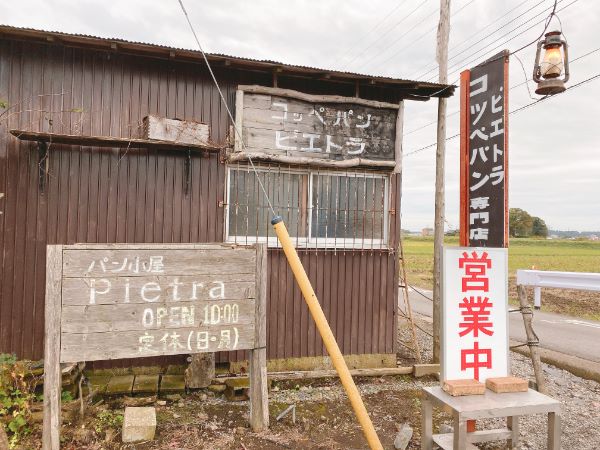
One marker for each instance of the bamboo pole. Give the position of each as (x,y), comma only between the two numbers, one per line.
(532,339)
(330,343)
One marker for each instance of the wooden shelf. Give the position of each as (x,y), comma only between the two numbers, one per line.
(109,141)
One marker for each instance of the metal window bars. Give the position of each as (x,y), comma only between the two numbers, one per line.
(321,208)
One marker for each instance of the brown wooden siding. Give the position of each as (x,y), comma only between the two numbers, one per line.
(132,195)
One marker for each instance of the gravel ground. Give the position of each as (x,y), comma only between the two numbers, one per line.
(580,401)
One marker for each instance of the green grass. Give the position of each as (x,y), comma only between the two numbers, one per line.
(541,254)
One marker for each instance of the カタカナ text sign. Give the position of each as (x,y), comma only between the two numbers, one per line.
(484,154)
(276,124)
(474,311)
(142,301)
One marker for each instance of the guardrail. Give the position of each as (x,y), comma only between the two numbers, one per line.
(539,279)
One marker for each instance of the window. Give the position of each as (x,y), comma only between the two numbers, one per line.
(325,209)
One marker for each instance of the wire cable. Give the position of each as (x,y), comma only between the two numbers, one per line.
(570,88)
(237,132)
(453,113)
(386,33)
(414,74)
(353,46)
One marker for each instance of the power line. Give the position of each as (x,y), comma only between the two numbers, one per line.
(353,46)
(375,55)
(387,32)
(412,76)
(414,130)
(570,88)
(489,35)
(547,20)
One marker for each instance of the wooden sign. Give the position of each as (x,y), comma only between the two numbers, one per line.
(284,122)
(114,301)
(475,313)
(484,154)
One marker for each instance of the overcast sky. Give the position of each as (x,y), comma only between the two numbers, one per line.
(554,146)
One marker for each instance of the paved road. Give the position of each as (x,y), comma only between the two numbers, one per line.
(565,334)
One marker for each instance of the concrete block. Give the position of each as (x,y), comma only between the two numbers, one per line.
(463,387)
(506,384)
(139,424)
(172,383)
(403,437)
(145,384)
(97,383)
(121,384)
(426,369)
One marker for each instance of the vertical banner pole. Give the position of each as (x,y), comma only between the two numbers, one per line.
(328,338)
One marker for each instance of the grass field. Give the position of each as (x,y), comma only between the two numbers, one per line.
(564,255)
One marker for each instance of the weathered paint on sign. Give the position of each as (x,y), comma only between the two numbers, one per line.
(475,313)
(484,154)
(280,125)
(136,301)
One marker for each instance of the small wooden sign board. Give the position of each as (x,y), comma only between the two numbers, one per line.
(113,301)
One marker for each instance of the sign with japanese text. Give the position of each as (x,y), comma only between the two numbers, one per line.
(484,154)
(128,301)
(474,311)
(274,125)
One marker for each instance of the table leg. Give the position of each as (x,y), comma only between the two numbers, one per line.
(554,431)
(426,425)
(512,422)
(460,433)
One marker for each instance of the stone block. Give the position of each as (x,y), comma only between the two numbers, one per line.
(139,424)
(403,437)
(145,384)
(421,370)
(121,384)
(463,387)
(506,384)
(97,383)
(172,383)
(201,371)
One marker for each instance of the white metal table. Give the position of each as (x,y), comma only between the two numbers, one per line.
(487,406)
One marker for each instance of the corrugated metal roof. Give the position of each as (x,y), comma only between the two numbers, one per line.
(415,88)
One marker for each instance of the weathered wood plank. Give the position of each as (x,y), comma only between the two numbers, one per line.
(239,114)
(174,130)
(259,400)
(155,289)
(110,141)
(315,98)
(133,263)
(399,137)
(52,374)
(346,163)
(136,344)
(155,316)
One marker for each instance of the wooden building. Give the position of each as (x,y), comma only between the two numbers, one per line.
(76,166)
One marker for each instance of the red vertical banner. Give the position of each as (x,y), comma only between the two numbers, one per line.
(484,154)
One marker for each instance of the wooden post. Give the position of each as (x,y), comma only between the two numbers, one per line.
(440,155)
(52,374)
(531,339)
(259,399)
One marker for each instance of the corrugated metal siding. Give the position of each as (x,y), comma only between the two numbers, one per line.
(112,195)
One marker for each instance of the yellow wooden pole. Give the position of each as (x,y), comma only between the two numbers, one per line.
(330,343)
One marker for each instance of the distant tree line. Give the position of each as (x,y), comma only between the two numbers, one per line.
(522,224)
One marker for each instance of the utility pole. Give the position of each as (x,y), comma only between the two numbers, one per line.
(443,34)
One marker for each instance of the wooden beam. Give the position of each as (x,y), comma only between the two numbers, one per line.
(340,164)
(109,141)
(315,98)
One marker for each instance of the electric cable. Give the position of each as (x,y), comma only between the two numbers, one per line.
(587,80)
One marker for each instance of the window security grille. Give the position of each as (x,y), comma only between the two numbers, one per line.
(321,209)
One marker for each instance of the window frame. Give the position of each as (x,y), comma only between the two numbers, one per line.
(309,241)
